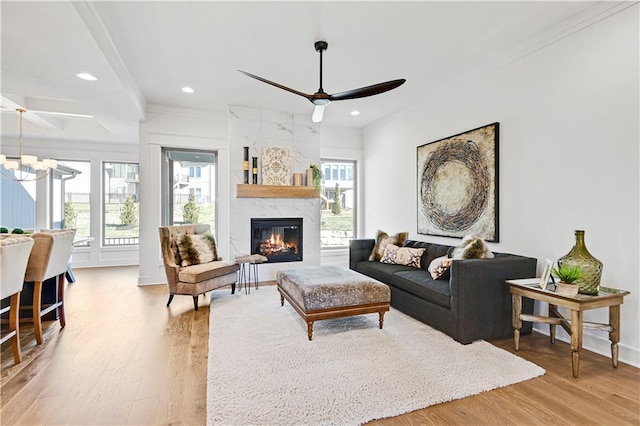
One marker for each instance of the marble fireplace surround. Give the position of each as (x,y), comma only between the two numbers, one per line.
(258,129)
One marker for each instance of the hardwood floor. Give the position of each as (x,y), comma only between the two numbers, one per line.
(124,358)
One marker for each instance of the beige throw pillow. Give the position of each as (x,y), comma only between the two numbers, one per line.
(402,255)
(382,239)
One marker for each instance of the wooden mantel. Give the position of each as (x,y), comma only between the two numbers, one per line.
(276,191)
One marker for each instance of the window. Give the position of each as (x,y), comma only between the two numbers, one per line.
(186,173)
(195,172)
(120,204)
(71,197)
(337,193)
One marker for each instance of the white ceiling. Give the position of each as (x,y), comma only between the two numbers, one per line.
(144,52)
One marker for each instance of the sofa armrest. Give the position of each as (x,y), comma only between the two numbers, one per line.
(480,297)
(360,250)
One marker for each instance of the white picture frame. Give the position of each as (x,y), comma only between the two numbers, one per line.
(546,274)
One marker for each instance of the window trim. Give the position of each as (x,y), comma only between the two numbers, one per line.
(335,167)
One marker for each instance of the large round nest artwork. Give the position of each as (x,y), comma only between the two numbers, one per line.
(458,185)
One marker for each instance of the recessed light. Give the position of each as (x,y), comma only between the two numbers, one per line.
(355,112)
(86,76)
(187,89)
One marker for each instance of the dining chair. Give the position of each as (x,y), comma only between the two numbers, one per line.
(49,259)
(14,255)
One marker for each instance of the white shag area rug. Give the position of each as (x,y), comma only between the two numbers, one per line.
(262,370)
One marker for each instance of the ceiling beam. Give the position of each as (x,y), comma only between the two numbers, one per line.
(47,123)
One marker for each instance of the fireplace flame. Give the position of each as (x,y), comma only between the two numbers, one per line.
(275,244)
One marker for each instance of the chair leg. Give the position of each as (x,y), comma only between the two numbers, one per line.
(37,319)
(170,299)
(233,288)
(14,325)
(195,303)
(63,320)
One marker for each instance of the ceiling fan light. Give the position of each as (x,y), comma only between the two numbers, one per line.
(318,113)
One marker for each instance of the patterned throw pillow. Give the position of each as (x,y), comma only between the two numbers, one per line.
(402,255)
(439,268)
(382,239)
(197,248)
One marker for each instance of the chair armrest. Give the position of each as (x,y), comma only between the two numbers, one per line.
(360,250)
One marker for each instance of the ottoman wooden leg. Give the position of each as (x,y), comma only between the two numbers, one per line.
(310,329)
(281,300)
(381,318)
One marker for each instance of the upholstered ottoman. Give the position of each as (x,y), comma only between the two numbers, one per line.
(323,292)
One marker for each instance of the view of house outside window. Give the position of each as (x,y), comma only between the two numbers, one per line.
(337,194)
(120,204)
(189,193)
(72,199)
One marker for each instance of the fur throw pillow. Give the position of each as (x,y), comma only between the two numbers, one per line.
(382,239)
(472,248)
(197,248)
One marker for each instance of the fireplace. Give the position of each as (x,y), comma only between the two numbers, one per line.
(279,239)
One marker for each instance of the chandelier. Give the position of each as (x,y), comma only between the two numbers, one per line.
(26,167)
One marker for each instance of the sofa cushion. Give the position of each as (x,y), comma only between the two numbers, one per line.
(402,255)
(205,271)
(197,248)
(382,239)
(420,283)
(380,271)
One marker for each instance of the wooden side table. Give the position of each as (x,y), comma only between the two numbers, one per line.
(606,297)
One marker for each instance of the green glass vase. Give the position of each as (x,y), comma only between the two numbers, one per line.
(590,266)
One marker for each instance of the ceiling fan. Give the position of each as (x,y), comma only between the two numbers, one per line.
(320,99)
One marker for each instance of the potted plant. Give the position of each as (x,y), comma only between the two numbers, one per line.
(567,274)
(317,175)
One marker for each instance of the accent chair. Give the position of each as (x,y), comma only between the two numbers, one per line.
(191,262)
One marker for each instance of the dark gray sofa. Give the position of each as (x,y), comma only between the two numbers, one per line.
(473,304)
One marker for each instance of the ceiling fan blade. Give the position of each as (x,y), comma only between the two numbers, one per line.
(279,86)
(363,92)
(318,113)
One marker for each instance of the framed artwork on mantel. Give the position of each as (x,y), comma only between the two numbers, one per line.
(457,185)
(276,166)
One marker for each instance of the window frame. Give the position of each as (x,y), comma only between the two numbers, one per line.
(333,164)
(120,169)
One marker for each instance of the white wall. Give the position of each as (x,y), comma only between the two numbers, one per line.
(569,158)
